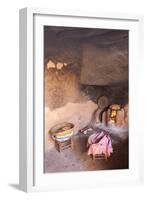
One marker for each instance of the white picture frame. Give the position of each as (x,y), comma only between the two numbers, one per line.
(31,175)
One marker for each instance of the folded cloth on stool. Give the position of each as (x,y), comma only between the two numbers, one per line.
(100,143)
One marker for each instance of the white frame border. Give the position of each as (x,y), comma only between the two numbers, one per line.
(27,88)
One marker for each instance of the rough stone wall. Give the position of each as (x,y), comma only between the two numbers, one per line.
(105,65)
(96,63)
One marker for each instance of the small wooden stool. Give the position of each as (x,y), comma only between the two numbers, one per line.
(99,157)
(64,144)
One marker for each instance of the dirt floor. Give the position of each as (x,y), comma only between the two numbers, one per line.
(76,159)
(77,113)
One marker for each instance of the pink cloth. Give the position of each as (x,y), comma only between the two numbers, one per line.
(103,146)
(94,138)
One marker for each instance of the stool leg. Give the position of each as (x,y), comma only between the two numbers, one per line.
(93,157)
(72,144)
(105,157)
(57,145)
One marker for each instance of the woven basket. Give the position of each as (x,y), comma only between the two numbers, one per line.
(62,130)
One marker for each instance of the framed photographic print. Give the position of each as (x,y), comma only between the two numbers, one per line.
(80,89)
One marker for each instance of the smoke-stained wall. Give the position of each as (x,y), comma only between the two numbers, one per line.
(83,64)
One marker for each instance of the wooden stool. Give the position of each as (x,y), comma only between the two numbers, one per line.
(99,157)
(64,144)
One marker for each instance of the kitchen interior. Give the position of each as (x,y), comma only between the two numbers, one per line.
(86,99)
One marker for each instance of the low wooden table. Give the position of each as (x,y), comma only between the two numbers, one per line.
(64,144)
